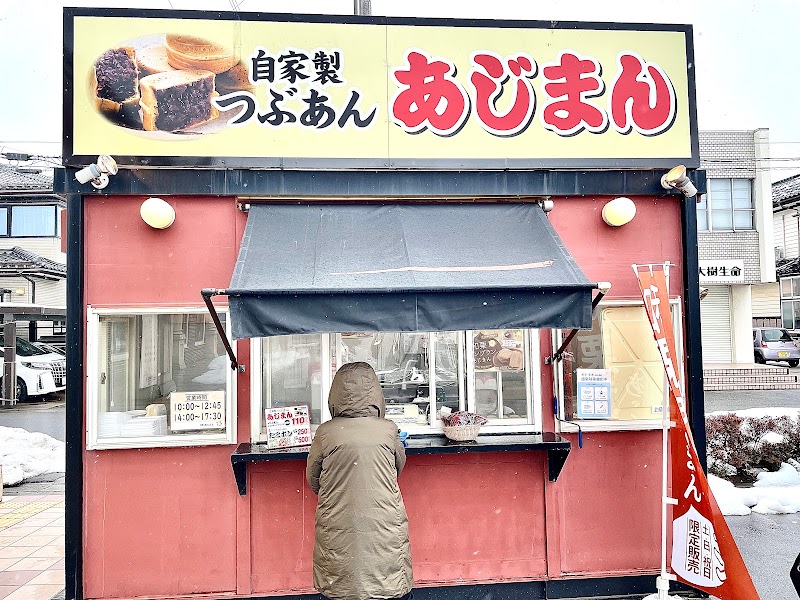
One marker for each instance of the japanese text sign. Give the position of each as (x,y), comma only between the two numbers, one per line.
(704,553)
(197,410)
(166,87)
(287,426)
(721,271)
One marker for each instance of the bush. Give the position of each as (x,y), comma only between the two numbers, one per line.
(739,446)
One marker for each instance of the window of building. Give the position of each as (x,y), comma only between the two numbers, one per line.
(790,302)
(28,221)
(728,206)
(621,341)
(490,372)
(155,378)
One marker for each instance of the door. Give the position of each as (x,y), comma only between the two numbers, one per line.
(715,321)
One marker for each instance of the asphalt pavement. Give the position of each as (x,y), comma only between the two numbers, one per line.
(45,416)
(742,399)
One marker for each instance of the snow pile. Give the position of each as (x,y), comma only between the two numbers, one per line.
(773,494)
(24,454)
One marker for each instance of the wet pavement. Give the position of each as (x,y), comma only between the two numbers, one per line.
(743,399)
(47,416)
(769,545)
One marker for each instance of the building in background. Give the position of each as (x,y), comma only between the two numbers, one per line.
(33,268)
(786,223)
(735,243)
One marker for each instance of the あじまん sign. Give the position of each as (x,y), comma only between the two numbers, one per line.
(287,426)
(257,90)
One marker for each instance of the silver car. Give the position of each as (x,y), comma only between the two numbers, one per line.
(771,343)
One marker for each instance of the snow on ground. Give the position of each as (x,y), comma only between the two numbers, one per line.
(773,493)
(24,454)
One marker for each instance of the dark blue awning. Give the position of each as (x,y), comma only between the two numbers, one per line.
(403,267)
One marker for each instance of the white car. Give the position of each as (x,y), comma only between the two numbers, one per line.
(38,372)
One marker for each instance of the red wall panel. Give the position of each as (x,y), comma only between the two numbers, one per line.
(160,522)
(472,517)
(606,253)
(606,505)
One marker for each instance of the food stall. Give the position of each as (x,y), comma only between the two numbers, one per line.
(255,200)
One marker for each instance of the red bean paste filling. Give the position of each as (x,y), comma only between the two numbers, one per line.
(117,76)
(184,105)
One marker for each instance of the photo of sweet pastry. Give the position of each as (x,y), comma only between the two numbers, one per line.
(166,83)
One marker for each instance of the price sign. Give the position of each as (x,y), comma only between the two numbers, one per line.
(197,410)
(288,426)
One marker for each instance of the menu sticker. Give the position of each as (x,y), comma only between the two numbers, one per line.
(197,410)
(288,426)
(594,393)
(499,350)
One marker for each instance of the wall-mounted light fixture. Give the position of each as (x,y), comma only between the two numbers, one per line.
(676,178)
(97,173)
(619,211)
(703,292)
(157,213)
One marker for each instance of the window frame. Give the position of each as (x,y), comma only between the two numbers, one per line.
(9,221)
(708,210)
(532,424)
(575,425)
(790,299)
(93,316)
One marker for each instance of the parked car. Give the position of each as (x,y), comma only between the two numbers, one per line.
(38,372)
(50,348)
(772,343)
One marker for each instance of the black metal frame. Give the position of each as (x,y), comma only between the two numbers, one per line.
(207,294)
(694,349)
(561,349)
(73,487)
(394,186)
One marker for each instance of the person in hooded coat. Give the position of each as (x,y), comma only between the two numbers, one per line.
(361,549)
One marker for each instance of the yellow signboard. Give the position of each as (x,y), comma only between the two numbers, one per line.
(172,88)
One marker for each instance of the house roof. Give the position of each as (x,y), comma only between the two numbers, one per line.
(17,179)
(787,267)
(786,192)
(17,261)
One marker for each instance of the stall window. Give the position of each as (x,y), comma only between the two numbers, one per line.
(620,353)
(494,373)
(158,378)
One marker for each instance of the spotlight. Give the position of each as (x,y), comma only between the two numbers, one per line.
(97,173)
(703,292)
(676,178)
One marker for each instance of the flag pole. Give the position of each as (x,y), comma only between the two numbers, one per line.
(662,581)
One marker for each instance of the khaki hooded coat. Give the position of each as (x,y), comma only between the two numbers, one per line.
(361,549)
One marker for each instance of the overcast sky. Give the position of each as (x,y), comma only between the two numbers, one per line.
(746,54)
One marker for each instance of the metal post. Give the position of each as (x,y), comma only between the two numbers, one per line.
(73,511)
(693,393)
(10,362)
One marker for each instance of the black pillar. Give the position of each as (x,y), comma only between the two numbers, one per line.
(73,544)
(694,351)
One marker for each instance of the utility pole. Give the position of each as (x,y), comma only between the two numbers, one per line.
(362,7)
